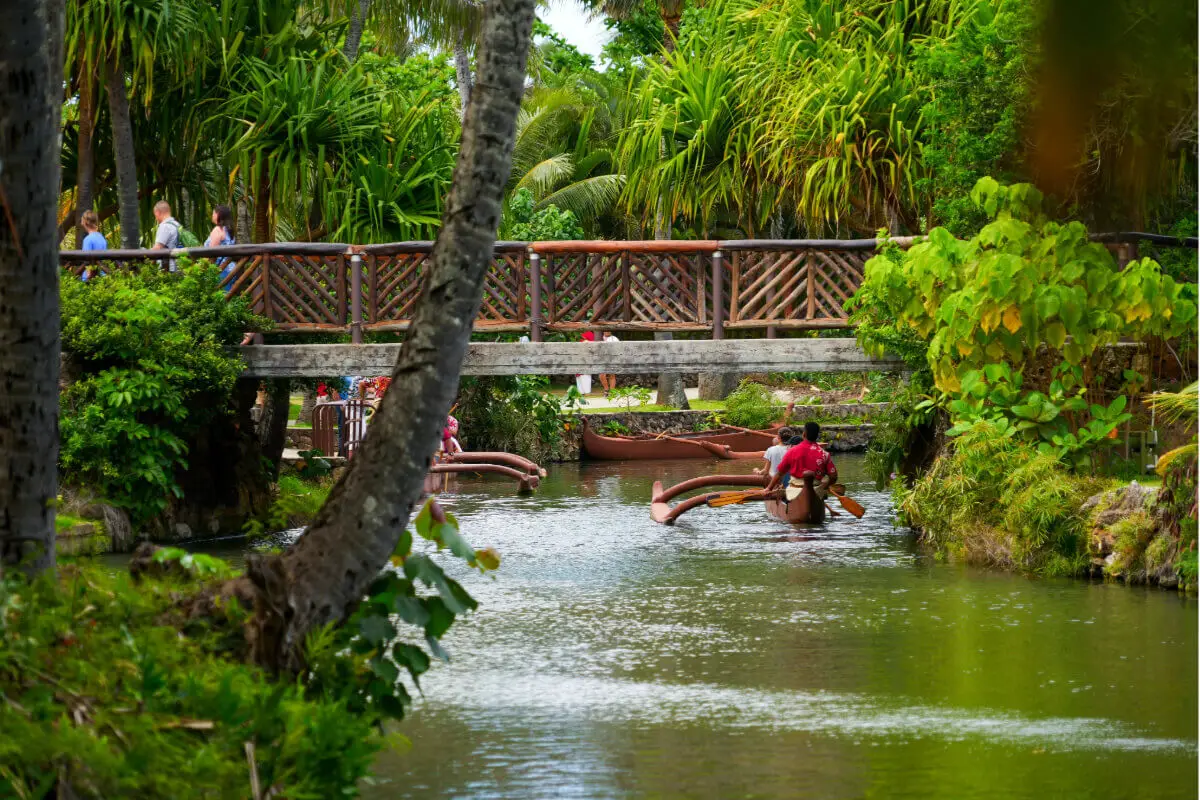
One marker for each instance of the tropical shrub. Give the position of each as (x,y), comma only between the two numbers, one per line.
(523,222)
(152,350)
(516,414)
(752,405)
(109,692)
(1023,289)
(996,500)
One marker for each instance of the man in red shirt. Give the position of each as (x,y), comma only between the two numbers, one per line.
(807,456)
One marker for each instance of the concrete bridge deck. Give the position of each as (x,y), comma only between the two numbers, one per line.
(566,358)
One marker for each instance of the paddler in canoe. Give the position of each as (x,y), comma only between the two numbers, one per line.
(805,455)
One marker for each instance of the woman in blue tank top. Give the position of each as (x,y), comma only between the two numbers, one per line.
(222,236)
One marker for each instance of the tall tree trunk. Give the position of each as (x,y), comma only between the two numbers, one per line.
(245,230)
(262,205)
(122,130)
(85,165)
(358,18)
(462,74)
(307,405)
(30,103)
(327,571)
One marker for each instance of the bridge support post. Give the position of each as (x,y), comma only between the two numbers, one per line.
(356,316)
(535,297)
(717,385)
(718,295)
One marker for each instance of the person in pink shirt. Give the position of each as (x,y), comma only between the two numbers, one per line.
(808,456)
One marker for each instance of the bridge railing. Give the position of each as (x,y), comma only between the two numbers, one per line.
(539,287)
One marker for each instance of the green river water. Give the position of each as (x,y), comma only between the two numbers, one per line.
(732,656)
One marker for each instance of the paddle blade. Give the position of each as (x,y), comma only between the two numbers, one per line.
(851,505)
(731,498)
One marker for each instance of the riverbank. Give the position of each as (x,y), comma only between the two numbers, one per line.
(995,502)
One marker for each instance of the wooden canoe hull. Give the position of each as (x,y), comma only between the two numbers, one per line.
(730,444)
(807,508)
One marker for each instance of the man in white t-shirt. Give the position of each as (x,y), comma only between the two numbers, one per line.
(775,452)
(167,235)
(608,382)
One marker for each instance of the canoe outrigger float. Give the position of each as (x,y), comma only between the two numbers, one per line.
(724,443)
(527,474)
(796,504)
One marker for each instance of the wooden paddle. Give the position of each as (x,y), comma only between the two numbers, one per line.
(734,498)
(739,429)
(848,503)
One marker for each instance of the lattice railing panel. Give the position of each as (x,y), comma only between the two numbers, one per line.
(792,285)
(669,288)
(393,285)
(246,277)
(506,289)
(583,287)
(306,289)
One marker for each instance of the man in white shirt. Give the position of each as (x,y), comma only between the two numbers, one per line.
(776,452)
(608,382)
(167,235)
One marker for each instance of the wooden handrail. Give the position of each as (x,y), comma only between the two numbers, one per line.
(660,285)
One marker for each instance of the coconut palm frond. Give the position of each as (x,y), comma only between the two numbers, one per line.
(545,175)
(587,198)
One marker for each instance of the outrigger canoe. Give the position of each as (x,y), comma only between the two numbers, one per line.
(527,474)
(723,443)
(795,505)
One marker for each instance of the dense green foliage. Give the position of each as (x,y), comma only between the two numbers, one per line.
(296,504)
(1023,291)
(752,405)
(151,352)
(110,691)
(996,500)
(526,223)
(515,414)
(793,118)
(106,700)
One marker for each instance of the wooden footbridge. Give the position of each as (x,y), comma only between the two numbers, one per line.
(539,288)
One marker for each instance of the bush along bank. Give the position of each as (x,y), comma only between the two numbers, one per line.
(154,418)
(993,500)
(111,685)
(1013,406)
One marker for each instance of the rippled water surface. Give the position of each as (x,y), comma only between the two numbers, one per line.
(732,656)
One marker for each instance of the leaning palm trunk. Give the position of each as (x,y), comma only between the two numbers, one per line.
(328,570)
(30,97)
(123,154)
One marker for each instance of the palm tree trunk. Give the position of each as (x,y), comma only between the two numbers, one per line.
(85,170)
(262,205)
(462,74)
(122,130)
(327,571)
(307,405)
(358,19)
(30,102)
